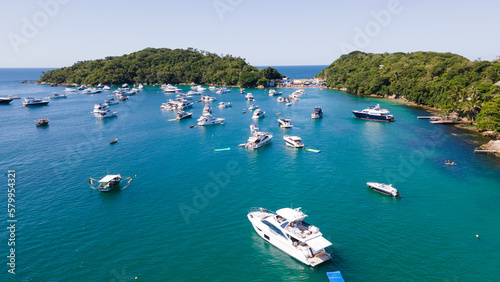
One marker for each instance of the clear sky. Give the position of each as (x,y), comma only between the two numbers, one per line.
(57,33)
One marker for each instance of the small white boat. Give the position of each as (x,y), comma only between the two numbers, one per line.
(249,97)
(258,139)
(105,114)
(170,89)
(384,189)
(294,96)
(55,95)
(111,101)
(252,107)
(287,230)
(258,114)
(225,104)
(285,122)
(100,108)
(242,90)
(283,100)
(254,128)
(125,85)
(317,113)
(293,141)
(220,91)
(69,89)
(105,87)
(207,110)
(207,98)
(210,120)
(5,100)
(212,88)
(273,92)
(183,115)
(299,92)
(13,97)
(82,87)
(34,102)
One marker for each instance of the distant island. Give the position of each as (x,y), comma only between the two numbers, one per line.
(158,66)
(452,83)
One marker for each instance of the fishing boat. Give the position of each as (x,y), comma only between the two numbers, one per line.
(34,102)
(285,122)
(317,112)
(287,230)
(375,114)
(183,115)
(113,141)
(258,139)
(258,114)
(293,141)
(384,189)
(42,122)
(109,182)
(5,100)
(210,120)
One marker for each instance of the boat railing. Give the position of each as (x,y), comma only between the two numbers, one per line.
(259,209)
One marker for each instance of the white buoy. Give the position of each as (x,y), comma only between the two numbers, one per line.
(477,236)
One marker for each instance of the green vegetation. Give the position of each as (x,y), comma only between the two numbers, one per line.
(157,66)
(444,80)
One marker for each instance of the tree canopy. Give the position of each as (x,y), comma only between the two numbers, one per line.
(156,66)
(444,80)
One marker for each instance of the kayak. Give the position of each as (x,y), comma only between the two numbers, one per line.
(312,150)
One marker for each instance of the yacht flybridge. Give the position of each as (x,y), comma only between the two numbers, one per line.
(286,230)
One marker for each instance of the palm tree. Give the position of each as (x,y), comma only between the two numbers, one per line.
(471,105)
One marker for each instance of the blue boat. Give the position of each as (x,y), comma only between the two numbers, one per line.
(335,276)
(374,113)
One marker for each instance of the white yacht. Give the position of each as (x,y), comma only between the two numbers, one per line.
(212,88)
(287,230)
(252,107)
(170,89)
(105,114)
(317,113)
(207,110)
(125,85)
(249,97)
(258,139)
(285,122)
(384,189)
(293,141)
(55,95)
(183,115)
(5,100)
(111,101)
(258,114)
(106,87)
(100,108)
(273,92)
(69,89)
(209,120)
(34,102)
(294,96)
(206,98)
(220,91)
(225,104)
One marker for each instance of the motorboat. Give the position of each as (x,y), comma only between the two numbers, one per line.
(285,122)
(299,92)
(191,92)
(42,122)
(121,97)
(34,102)
(206,98)
(283,100)
(198,88)
(183,104)
(170,105)
(109,182)
(105,114)
(14,97)
(209,120)
(125,85)
(258,114)
(242,90)
(183,115)
(249,97)
(140,86)
(252,107)
(254,128)
(317,112)
(220,91)
(170,89)
(111,101)
(293,141)
(55,95)
(183,96)
(287,230)
(273,92)
(5,100)
(100,108)
(105,87)
(69,89)
(386,189)
(375,114)
(294,96)
(225,104)
(82,87)
(258,139)
(207,110)
(212,88)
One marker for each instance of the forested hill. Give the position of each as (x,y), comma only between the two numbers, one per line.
(444,80)
(164,66)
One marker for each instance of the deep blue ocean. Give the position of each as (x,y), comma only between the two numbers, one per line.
(183,218)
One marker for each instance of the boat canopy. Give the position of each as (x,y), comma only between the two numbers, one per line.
(318,243)
(108,178)
(291,214)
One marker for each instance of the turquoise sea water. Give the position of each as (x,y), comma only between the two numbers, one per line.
(183,218)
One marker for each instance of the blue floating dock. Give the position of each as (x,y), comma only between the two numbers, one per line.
(335,276)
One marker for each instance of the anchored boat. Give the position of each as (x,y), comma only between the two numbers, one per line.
(374,113)
(384,189)
(287,230)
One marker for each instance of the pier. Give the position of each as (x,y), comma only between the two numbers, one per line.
(485,151)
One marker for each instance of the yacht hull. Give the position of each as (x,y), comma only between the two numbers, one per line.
(366,116)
